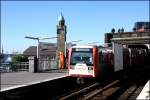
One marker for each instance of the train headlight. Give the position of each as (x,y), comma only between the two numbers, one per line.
(90,68)
(71,67)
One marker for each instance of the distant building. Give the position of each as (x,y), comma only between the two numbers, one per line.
(46,50)
(108,36)
(139,37)
(142,27)
(7,58)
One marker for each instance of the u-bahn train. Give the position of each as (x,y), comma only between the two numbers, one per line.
(92,61)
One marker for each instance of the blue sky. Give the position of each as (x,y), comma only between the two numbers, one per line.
(85,20)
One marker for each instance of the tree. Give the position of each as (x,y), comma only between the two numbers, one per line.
(17,59)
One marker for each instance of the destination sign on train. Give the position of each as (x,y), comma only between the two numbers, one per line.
(82,49)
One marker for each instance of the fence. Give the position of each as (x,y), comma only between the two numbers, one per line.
(22,66)
(4,67)
(8,67)
(44,65)
(47,64)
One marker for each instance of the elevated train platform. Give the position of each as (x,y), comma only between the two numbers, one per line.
(21,79)
(145,93)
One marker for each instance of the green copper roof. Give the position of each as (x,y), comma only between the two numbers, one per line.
(61,18)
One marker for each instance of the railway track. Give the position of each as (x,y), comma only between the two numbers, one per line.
(87,92)
(119,87)
(78,92)
(126,87)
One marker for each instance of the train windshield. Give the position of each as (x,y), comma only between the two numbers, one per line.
(82,57)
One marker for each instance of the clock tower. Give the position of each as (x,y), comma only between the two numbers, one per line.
(61,36)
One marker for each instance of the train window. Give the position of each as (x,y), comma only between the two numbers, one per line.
(82,57)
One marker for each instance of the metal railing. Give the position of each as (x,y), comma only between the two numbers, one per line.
(22,66)
(44,65)
(47,64)
(9,67)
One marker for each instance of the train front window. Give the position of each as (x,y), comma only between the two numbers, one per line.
(82,57)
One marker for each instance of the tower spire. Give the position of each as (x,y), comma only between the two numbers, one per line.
(2,50)
(61,18)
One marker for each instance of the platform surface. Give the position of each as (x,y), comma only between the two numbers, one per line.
(145,93)
(19,79)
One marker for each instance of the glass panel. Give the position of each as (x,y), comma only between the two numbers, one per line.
(82,57)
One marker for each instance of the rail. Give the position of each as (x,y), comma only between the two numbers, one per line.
(90,95)
(79,92)
(8,67)
(22,66)
(127,85)
(125,88)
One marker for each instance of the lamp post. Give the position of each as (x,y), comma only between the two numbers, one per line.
(75,41)
(38,41)
(35,38)
(93,43)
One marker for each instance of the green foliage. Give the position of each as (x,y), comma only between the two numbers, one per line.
(19,58)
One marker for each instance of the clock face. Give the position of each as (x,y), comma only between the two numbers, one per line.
(61,32)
